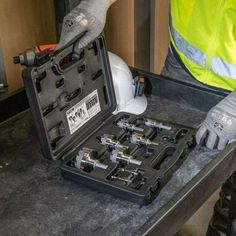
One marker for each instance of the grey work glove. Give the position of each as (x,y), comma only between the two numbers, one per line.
(87,19)
(219,127)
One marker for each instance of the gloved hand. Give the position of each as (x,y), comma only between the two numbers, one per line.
(219,127)
(88,17)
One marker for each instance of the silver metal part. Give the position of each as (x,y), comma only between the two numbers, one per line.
(84,159)
(125,180)
(123,124)
(139,139)
(27,58)
(132,174)
(109,141)
(118,156)
(154,124)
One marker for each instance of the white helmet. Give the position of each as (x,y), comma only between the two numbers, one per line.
(125,88)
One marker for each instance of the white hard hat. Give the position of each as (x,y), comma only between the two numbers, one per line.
(125,88)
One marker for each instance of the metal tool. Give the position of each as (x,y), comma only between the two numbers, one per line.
(84,159)
(119,156)
(123,124)
(35,56)
(109,141)
(155,124)
(139,139)
(133,178)
(127,180)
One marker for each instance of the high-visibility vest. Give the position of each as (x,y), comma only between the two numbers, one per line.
(203,32)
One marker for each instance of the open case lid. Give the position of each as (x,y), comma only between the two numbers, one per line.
(70,96)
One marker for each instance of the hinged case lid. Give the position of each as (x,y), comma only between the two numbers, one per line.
(71,96)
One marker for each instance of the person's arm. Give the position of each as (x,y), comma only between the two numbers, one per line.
(87,19)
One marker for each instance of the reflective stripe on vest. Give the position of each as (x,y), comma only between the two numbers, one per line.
(188,50)
(223,68)
(218,65)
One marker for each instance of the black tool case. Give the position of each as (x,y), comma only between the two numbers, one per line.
(72,99)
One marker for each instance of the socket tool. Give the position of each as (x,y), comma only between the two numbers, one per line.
(110,142)
(139,139)
(119,156)
(156,125)
(123,124)
(84,159)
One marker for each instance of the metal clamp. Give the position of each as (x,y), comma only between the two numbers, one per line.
(132,178)
(127,180)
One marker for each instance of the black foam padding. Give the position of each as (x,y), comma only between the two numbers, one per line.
(60,85)
(158,162)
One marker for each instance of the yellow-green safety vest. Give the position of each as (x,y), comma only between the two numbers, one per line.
(203,32)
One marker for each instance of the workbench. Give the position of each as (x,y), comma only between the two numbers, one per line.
(36,200)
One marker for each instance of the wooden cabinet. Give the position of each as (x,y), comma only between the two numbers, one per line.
(136,30)
(24,24)
(159,34)
(128,31)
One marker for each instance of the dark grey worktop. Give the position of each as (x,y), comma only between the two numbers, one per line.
(36,200)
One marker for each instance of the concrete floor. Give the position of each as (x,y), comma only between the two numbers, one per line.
(198,224)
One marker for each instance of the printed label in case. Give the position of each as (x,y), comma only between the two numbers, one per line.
(83,111)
